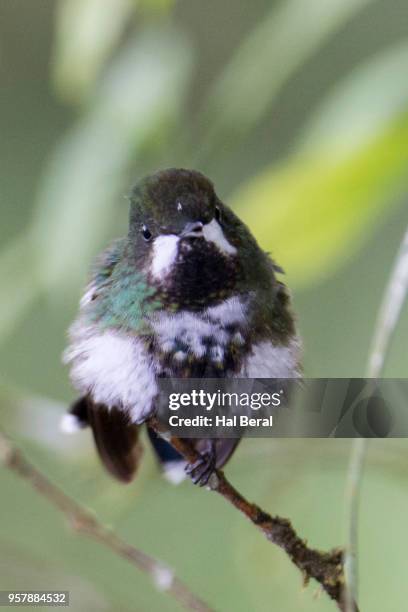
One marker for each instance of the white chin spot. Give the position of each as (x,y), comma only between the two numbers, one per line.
(69,424)
(165,249)
(213,233)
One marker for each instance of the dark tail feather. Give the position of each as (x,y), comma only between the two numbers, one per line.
(164,451)
(224,448)
(115,438)
(171,462)
(119,448)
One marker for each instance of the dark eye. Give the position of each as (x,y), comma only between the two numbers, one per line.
(217,214)
(146,233)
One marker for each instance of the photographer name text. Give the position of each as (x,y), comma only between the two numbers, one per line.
(220,421)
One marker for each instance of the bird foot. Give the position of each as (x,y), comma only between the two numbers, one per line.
(201,470)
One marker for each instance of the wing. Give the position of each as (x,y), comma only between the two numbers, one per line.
(102,270)
(116,439)
(109,361)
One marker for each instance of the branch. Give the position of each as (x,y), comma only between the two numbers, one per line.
(84,522)
(393,301)
(353,489)
(325,567)
(390,311)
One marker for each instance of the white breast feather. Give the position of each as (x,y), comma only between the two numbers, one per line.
(193,329)
(115,369)
(268,360)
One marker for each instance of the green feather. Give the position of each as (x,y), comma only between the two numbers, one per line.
(122,296)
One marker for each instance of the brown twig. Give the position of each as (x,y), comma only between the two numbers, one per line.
(325,567)
(84,522)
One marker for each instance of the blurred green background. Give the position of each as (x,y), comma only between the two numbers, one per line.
(298,111)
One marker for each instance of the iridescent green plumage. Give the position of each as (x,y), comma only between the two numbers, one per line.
(120,296)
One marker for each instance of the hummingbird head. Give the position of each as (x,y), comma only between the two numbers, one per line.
(189,243)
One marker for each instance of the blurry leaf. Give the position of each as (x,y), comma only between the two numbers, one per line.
(19,283)
(86,33)
(157,6)
(310,213)
(76,206)
(268,57)
(362,104)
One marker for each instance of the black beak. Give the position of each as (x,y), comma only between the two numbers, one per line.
(193,229)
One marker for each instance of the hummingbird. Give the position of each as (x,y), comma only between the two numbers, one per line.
(188,293)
